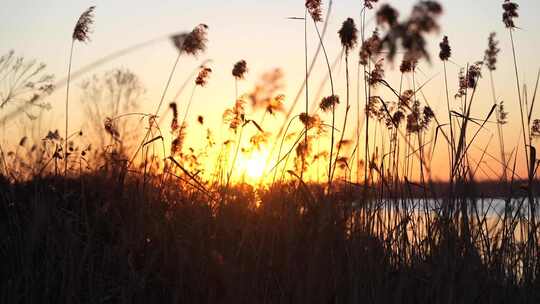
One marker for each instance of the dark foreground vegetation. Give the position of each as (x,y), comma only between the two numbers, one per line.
(94,240)
(127,211)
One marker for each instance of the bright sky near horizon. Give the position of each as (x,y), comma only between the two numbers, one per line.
(258,32)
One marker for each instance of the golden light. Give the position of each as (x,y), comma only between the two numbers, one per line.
(251,166)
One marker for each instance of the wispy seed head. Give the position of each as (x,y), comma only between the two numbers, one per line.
(178,142)
(202,78)
(387,15)
(275,105)
(178,40)
(432,6)
(370,47)
(82,28)
(310,121)
(240,69)
(446,51)
(502,115)
(369,3)
(510,12)
(535,128)
(408,65)
(462,84)
(192,43)
(490,57)
(174,122)
(314,8)
(348,34)
(327,103)
(377,75)
(474,73)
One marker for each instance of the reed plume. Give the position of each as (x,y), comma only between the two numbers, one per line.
(502,117)
(387,15)
(81,33)
(377,74)
(474,73)
(462,84)
(235,118)
(490,60)
(349,39)
(310,121)
(444,55)
(410,33)
(535,128)
(491,53)
(348,34)
(178,141)
(509,13)
(275,105)
(370,3)
(329,102)
(239,73)
(267,88)
(83,27)
(174,121)
(446,51)
(240,69)
(200,81)
(316,16)
(370,48)
(408,65)
(193,43)
(314,8)
(202,77)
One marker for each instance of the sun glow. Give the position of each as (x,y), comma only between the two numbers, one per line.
(251,166)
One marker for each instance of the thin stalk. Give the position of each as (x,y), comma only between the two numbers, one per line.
(358,123)
(299,92)
(499,127)
(333,106)
(367,96)
(239,140)
(307,91)
(524,132)
(449,118)
(281,146)
(229,175)
(67,108)
(189,105)
(157,109)
(346,114)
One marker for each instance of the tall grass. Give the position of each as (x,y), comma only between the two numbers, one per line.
(174,223)
(81,33)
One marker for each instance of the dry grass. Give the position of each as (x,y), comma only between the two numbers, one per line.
(136,219)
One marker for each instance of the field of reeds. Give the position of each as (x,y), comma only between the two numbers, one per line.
(334,204)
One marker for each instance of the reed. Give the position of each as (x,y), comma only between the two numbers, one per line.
(173,221)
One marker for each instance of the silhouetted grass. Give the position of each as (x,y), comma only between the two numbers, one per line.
(100,240)
(140,220)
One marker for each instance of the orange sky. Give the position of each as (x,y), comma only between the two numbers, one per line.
(259,33)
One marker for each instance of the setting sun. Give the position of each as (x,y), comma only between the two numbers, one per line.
(252,165)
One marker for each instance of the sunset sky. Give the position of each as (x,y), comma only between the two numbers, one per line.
(260,33)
